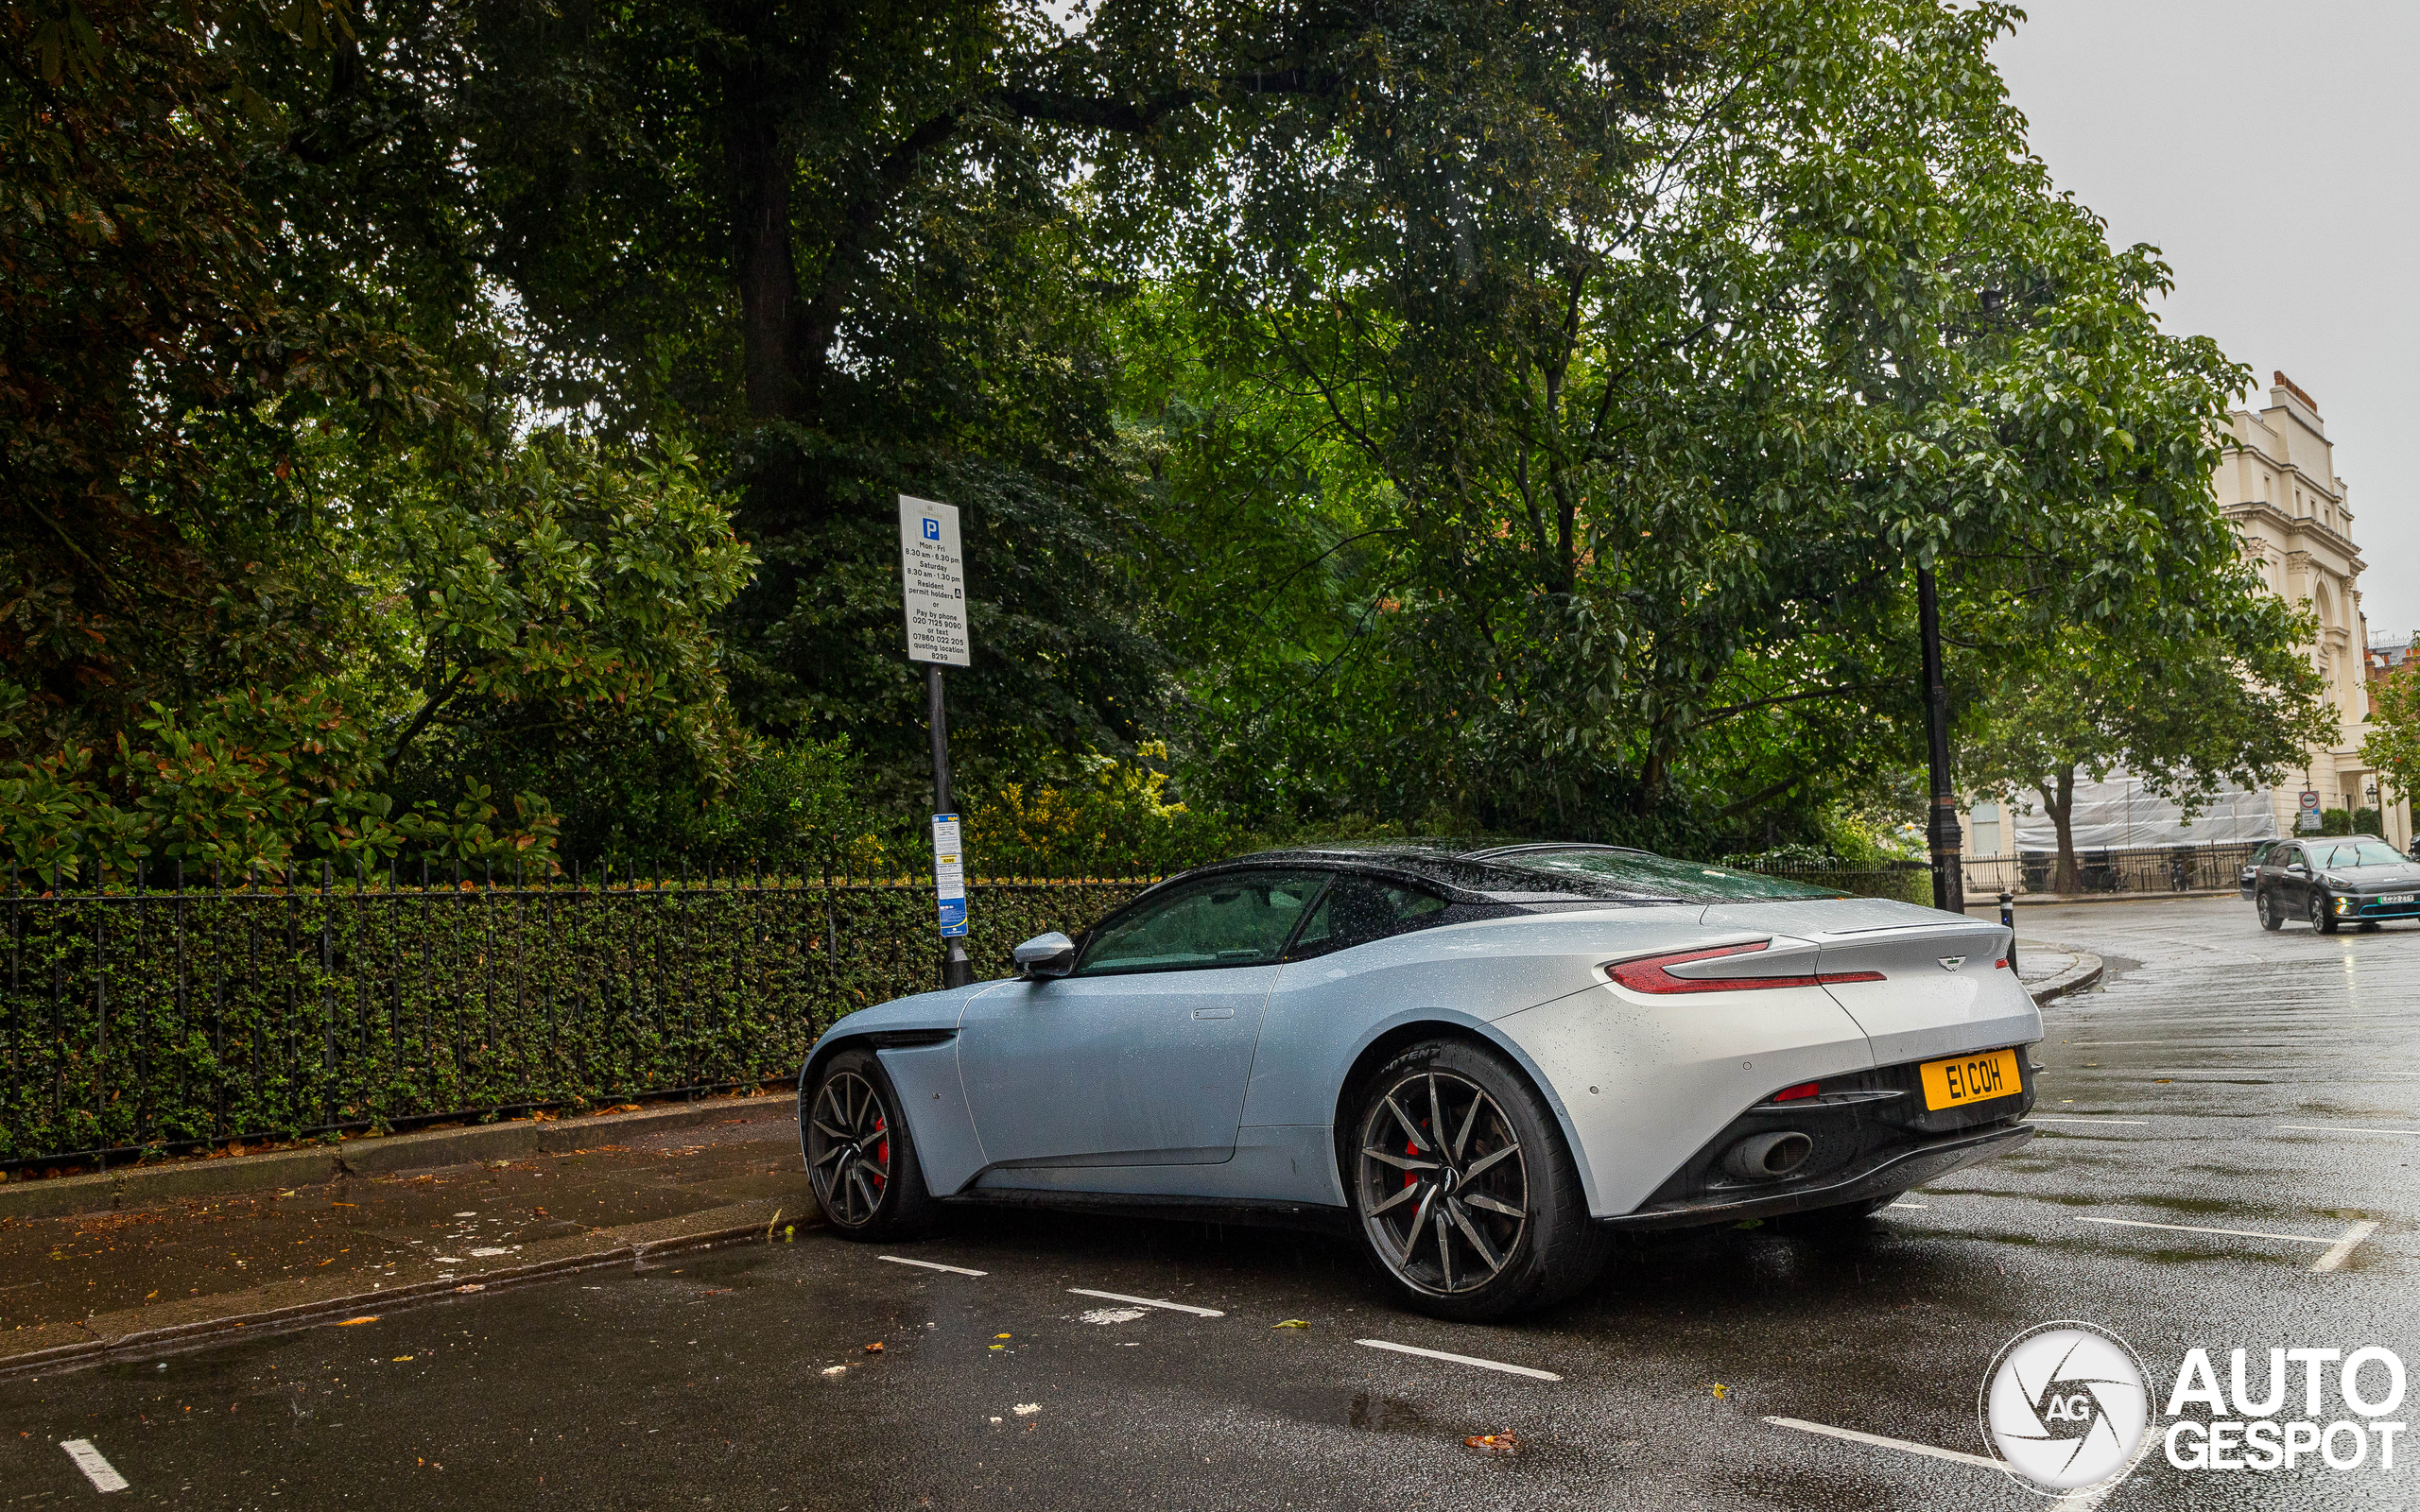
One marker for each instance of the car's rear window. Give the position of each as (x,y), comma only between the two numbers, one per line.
(1637,874)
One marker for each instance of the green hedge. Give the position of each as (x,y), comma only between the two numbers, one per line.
(172,1019)
(1911,885)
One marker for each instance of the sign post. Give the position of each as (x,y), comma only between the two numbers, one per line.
(932,572)
(2307,822)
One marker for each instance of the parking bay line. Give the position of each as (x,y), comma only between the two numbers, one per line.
(1460,1359)
(1903,1446)
(96,1470)
(932,1264)
(2345,1247)
(2083,1499)
(1149,1301)
(2341,1128)
(2062,1118)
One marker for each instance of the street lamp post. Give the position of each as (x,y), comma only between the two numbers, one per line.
(1949,871)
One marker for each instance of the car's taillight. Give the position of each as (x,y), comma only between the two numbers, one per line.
(1648,973)
(1794,1095)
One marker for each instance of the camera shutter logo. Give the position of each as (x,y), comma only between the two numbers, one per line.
(2065,1406)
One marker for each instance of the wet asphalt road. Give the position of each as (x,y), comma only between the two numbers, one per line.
(705,1383)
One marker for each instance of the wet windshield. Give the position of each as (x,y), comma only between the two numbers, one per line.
(1636,872)
(2355,853)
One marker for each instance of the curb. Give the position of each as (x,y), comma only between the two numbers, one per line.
(2085,974)
(634,1245)
(135,1185)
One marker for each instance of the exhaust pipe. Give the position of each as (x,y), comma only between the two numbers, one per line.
(1768,1157)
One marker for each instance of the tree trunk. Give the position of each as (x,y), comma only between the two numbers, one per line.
(762,262)
(2059,801)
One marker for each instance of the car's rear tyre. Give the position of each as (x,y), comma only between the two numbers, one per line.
(2265,904)
(2321,918)
(1467,1200)
(860,1158)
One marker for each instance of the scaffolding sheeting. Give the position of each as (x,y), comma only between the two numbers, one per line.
(2121,813)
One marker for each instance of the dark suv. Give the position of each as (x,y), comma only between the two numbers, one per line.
(2352,879)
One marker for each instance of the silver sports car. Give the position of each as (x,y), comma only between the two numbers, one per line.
(1481,1061)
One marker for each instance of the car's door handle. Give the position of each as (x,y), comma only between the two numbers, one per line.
(1213,1013)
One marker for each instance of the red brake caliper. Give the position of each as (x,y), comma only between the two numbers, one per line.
(1411,1149)
(882,1153)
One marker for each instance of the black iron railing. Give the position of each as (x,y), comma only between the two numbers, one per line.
(2143,869)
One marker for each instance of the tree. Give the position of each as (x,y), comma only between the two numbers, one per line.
(2243,707)
(1601,413)
(2392,744)
(270,527)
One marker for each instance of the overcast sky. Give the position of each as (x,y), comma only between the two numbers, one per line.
(2273,152)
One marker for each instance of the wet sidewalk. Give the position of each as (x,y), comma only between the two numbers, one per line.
(82,1281)
(2054,970)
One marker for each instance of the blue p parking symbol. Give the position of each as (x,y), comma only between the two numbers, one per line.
(932,528)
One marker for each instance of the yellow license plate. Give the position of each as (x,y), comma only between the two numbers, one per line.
(1963,1079)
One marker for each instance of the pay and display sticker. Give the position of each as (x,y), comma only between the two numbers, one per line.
(949,874)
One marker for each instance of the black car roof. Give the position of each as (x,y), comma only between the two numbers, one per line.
(1470,870)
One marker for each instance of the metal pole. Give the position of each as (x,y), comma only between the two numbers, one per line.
(1948,879)
(2007,919)
(956,970)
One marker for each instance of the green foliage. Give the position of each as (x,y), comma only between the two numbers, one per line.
(1552,441)
(2337,821)
(2393,743)
(1116,819)
(144,1021)
(2241,704)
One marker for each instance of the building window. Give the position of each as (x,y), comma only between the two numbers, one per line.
(1986,822)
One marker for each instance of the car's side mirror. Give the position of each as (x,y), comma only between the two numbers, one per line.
(2295,868)
(1044,955)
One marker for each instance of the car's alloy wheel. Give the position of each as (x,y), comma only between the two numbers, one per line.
(2265,904)
(1468,1200)
(1445,1190)
(2321,919)
(859,1156)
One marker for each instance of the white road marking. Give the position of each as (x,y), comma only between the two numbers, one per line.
(2342,1248)
(931,1264)
(2062,1118)
(2188,1229)
(2339,1128)
(103,1475)
(1907,1204)
(1902,1445)
(1460,1359)
(1105,1317)
(1148,1301)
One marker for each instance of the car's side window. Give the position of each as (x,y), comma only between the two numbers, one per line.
(1359,909)
(1233,918)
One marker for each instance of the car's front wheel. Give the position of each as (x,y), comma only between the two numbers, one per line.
(861,1158)
(1468,1201)
(2322,918)
(2265,904)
